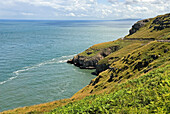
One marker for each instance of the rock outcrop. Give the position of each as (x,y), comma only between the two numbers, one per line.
(138,25)
(90,62)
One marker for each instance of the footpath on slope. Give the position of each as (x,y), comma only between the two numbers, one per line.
(148,39)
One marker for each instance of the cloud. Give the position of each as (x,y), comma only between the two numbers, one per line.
(71,14)
(139,8)
(27,14)
(78,9)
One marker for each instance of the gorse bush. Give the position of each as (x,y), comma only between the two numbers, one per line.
(147,94)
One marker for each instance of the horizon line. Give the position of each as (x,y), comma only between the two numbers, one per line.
(68,19)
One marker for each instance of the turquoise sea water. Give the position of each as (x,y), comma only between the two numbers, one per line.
(33,57)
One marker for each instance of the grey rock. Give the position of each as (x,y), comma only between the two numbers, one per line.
(90,62)
(138,25)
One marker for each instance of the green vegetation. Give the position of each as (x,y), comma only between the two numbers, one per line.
(157,28)
(132,65)
(147,94)
(126,47)
(97,48)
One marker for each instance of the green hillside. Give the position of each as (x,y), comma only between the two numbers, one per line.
(147,94)
(132,61)
(158,28)
(127,65)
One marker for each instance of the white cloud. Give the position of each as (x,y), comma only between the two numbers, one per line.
(71,14)
(27,14)
(106,12)
(93,9)
(139,8)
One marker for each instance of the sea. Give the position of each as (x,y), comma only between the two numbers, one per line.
(33,55)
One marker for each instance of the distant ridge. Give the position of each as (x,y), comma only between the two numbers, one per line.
(128,19)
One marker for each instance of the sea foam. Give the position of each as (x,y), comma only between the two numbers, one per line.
(9,79)
(62,59)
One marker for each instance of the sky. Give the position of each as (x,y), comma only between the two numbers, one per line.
(82,9)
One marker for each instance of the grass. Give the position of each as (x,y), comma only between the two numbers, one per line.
(148,30)
(97,48)
(127,47)
(132,65)
(147,94)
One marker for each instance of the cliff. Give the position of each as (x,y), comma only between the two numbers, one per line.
(156,28)
(89,58)
(132,74)
(137,26)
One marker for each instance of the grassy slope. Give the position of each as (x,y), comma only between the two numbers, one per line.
(127,47)
(147,32)
(131,65)
(147,94)
(97,48)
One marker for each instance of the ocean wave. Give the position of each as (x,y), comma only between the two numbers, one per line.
(62,59)
(9,79)
(69,56)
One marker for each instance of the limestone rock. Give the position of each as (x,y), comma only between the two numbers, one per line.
(90,62)
(137,26)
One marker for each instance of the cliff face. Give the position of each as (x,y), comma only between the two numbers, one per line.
(90,58)
(138,25)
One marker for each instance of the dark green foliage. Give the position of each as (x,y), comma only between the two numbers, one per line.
(147,94)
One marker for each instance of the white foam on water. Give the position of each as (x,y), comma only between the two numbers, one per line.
(9,79)
(62,59)
(69,56)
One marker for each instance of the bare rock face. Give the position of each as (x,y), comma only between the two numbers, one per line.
(86,62)
(90,62)
(137,26)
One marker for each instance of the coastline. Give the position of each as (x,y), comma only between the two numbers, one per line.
(115,63)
